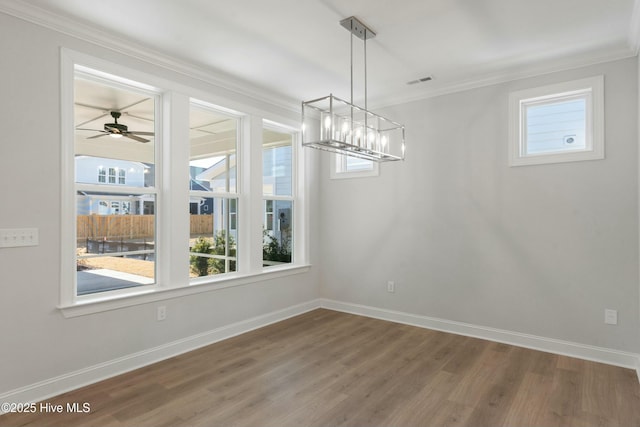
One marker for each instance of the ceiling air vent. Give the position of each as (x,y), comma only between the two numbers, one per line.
(420,80)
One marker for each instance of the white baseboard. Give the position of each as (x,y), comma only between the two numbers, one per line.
(73,380)
(549,345)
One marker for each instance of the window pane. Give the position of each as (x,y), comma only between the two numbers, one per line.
(277,232)
(556,126)
(213,236)
(116,241)
(213,139)
(114,146)
(122,147)
(276,163)
(354,164)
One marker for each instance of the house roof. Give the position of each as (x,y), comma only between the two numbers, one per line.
(216,170)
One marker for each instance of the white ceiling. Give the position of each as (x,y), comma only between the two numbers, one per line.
(297,49)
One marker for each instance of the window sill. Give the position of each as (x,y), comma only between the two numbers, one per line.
(106,303)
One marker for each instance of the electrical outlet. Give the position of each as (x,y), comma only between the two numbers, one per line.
(391,286)
(161,313)
(15,237)
(611,317)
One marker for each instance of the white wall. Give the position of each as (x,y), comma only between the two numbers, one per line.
(541,250)
(38,343)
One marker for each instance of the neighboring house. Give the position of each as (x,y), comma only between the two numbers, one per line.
(111,172)
(199,205)
(277,213)
(222,175)
(215,178)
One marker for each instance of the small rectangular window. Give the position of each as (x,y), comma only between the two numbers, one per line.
(352,167)
(557,123)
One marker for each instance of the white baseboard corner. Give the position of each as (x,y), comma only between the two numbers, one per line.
(61,384)
(549,345)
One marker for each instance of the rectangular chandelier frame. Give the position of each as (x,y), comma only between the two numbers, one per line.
(344,128)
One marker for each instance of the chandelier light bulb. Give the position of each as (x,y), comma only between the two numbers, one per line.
(327,122)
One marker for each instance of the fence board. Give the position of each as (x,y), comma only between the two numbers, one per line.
(131,226)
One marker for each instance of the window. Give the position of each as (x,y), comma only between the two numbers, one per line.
(102,175)
(278,193)
(557,123)
(115,247)
(112,175)
(128,235)
(352,167)
(213,141)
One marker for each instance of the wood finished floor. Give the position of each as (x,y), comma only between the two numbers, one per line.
(325,368)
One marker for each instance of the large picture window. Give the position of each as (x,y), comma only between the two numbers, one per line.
(156,196)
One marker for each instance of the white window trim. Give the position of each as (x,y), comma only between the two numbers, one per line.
(595,121)
(336,172)
(172,221)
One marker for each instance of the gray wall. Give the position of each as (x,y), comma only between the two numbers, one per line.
(38,343)
(538,249)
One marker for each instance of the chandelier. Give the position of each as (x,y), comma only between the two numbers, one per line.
(335,125)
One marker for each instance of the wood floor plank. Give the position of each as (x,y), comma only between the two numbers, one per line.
(326,368)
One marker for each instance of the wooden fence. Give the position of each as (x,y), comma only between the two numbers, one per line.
(131,226)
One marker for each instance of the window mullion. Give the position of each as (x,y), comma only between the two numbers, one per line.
(173,218)
(251,209)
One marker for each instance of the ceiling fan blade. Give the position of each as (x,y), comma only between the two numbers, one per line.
(92,130)
(141,133)
(136,138)
(97,136)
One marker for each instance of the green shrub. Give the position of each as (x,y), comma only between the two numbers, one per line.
(272,250)
(200,265)
(204,266)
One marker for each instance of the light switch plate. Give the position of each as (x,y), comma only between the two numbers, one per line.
(16,237)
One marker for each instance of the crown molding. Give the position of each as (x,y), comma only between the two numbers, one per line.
(508,75)
(73,28)
(633,38)
(28,12)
